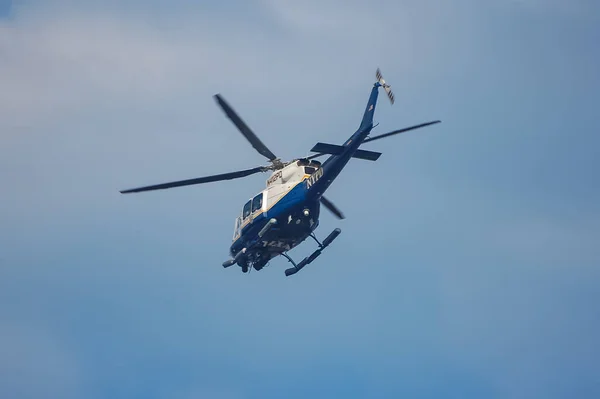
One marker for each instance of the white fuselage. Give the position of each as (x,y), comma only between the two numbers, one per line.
(277,186)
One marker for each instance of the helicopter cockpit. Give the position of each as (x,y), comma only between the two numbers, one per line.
(258,204)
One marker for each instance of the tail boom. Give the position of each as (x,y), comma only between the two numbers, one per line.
(336,162)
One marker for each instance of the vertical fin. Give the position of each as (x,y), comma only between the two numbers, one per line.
(367,120)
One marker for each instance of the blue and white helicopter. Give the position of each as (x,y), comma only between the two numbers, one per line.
(286,212)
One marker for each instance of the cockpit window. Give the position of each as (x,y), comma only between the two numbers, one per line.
(309,170)
(247,209)
(257,202)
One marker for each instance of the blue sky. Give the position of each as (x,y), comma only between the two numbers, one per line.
(5,8)
(468,265)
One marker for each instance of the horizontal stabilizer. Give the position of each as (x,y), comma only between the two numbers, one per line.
(367,155)
(333,149)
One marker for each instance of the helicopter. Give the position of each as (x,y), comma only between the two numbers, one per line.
(286,212)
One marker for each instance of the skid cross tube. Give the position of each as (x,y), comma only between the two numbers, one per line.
(289,259)
(309,259)
(317,241)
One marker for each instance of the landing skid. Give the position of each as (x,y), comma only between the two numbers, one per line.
(297,267)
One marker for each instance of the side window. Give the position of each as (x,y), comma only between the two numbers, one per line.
(309,170)
(247,208)
(257,202)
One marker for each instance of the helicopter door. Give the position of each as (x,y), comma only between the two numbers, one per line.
(238,225)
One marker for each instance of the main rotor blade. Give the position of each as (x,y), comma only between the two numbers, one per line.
(399,131)
(332,208)
(199,180)
(246,131)
(315,156)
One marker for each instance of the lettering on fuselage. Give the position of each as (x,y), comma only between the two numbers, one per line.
(314,177)
(273,178)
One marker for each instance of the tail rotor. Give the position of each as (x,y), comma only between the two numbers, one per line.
(385,86)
